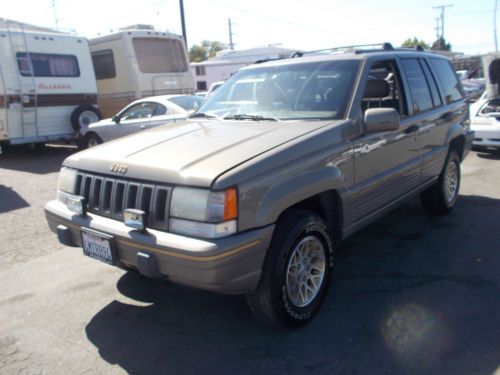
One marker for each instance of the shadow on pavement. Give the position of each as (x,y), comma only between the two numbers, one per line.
(489,154)
(410,295)
(10,200)
(39,160)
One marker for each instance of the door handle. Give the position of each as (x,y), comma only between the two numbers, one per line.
(411,129)
(143,126)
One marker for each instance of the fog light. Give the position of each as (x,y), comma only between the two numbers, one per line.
(76,204)
(135,218)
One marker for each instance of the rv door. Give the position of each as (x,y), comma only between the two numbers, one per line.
(22,106)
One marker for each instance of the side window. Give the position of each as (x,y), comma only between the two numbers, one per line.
(450,84)
(436,98)
(137,111)
(104,64)
(160,110)
(383,88)
(47,65)
(420,93)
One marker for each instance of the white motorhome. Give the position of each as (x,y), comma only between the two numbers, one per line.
(138,62)
(47,84)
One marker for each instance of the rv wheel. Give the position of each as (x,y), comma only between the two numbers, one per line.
(84,115)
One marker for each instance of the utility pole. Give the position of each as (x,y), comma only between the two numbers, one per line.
(231,44)
(437,28)
(495,27)
(183,22)
(55,14)
(442,7)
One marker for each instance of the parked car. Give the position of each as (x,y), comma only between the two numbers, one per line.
(485,112)
(253,193)
(139,115)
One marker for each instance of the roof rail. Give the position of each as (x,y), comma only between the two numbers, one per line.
(354,48)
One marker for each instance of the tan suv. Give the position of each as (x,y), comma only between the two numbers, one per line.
(252,194)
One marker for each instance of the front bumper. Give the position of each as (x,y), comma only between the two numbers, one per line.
(228,265)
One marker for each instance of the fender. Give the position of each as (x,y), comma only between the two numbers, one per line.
(284,195)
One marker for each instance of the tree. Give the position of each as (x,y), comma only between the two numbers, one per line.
(207,49)
(414,42)
(441,45)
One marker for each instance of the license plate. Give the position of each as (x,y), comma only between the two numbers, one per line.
(98,246)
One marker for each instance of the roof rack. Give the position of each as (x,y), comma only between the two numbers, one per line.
(359,48)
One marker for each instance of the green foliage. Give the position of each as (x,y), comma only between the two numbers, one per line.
(198,53)
(414,42)
(441,45)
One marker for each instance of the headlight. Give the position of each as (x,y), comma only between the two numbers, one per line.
(204,213)
(67,180)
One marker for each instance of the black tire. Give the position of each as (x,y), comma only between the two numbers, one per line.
(273,300)
(441,197)
(84,115)
(92,140)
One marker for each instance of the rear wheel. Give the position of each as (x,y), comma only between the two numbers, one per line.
(440,198)
(296,271)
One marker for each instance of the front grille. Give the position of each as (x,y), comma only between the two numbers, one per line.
(109,197)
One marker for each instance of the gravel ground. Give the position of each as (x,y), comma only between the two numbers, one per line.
(410,295)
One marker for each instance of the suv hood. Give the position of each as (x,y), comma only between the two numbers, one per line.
(191,152)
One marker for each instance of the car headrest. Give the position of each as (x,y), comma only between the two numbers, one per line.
(376,88)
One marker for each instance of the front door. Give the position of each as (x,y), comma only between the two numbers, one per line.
(386,163)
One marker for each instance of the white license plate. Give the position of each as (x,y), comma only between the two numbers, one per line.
(97,246)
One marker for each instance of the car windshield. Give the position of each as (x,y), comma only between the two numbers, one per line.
(313,90)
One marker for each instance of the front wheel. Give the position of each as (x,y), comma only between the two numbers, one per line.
(296,271)
(92,140)
(440,198)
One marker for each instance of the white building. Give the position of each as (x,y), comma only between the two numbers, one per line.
(228,62)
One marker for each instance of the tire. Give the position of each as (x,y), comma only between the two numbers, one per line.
(84,115)
(277,299)
(92,140)
(440,198)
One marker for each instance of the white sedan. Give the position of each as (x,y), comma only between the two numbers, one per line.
(485,122)
(139,115)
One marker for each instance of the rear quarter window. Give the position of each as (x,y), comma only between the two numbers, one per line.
(450,84)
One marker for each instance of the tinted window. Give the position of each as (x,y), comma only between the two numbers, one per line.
(449,82)
(158,55)
(104,64)
(47,65)
(420,94)
(436,98)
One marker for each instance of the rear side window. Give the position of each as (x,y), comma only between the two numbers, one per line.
(159,55)
(420,93)
(47,65)
(104,64)
(451,85)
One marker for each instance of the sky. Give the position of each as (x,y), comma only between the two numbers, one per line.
(298,24)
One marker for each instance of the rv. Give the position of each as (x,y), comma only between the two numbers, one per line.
(47,84)
(137,62)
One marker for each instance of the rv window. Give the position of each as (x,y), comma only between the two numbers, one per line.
(104,64)
(47,65)
(156,55)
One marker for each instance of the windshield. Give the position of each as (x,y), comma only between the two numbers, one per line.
(314,90)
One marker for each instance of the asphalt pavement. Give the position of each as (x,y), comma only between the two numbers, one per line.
(410,295)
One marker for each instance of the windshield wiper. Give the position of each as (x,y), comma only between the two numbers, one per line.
(204,115)
(242,116)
